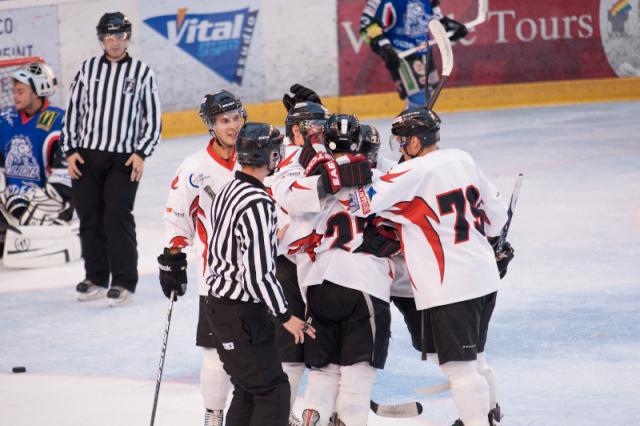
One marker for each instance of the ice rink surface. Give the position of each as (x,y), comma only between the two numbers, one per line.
(563,340)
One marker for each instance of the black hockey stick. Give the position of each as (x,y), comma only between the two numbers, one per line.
(400,411)
(512,204)
(446,53)
(163,352)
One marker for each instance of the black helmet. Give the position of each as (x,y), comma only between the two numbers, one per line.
(304,111)
(219,103)
(419,122)
(342,133)
(259,144)
(370,142)
(113,23)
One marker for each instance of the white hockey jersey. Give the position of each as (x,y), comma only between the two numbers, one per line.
(199,177)
(444,207)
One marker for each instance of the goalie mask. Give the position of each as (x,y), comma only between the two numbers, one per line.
(115,25)
(217,103)
(419,122)
(309,116)
(39,76)
(342,133)
(260,144)
(370,143)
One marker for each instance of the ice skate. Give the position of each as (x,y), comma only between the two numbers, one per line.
(294,420)
(119,296)
(86,291)
(213,417)
(310,418)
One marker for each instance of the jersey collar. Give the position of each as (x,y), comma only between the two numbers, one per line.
(227,164)
(25,118)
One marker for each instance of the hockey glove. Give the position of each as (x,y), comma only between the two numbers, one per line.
(300,94)
(383,48)
(313,145)
(347,171)
(379,240)
(455,28)
(503,257)
(45,207)
(173,273)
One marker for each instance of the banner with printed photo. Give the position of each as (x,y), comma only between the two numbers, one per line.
(519,42)
(198,47)
(31,32)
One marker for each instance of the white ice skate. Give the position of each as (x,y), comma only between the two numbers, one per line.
(119,296)
(86,291)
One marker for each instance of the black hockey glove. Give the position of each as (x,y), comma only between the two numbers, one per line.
(345,172)
(173,273)
(379,240)
(383,48)
(313,145)
(503,257)
(457,29)
(300,94)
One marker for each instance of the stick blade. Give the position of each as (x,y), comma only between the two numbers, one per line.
(399,411)
(442,40)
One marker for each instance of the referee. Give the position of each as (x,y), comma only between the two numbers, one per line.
(112,124)
(244,289)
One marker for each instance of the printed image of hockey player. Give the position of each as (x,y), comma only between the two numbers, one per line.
(447,214)
(34,183)
(192,191)
(391,27)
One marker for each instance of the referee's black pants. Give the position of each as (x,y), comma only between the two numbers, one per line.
(245,340)
(104,197)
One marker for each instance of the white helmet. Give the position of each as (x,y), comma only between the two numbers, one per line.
(39,76)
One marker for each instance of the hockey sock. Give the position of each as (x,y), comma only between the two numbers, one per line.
(490,376)
(214,381)
(294,370)
(470,392)
(322,389)
(354,394)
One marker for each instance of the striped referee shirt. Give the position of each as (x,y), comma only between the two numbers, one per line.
(243,246)
(113,107)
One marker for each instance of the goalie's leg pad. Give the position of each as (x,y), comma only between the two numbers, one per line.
(322,390)
(214,381)
(41,246)
(470,391)
(354,393)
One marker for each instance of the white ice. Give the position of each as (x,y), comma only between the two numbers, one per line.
(563,340)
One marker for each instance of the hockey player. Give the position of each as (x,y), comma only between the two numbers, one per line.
(393,26)
(340,303)
(34,184)
(197,181)
(445,208)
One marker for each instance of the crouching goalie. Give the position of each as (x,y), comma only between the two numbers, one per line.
(36,210)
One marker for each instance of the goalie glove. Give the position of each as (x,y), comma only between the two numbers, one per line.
(383,48)
(455,28)
(173,273)
(503,256)
(379,240)
(300,94)
(45,207)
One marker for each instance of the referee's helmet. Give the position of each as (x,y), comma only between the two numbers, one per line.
(259,144)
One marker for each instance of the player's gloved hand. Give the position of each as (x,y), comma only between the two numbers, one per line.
(503,256)
(300,94)
(173,273)
(313,144)
(456,29)
(379,240)
(345,172)
(383,48)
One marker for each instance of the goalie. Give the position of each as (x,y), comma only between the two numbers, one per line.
(34,185)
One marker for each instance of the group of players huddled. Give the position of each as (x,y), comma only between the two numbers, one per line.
(356,232)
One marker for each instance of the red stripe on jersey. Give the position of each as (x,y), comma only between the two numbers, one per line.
(418,212)
(296,185)
(174,182)
(284,163)
(178,242)
(389,177)
(202,234)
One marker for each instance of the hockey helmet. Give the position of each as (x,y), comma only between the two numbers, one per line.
(342,133)
(306,115)
(39,76)
(420,122)
(220,102)
(259,144)
(370,142)
(113,23)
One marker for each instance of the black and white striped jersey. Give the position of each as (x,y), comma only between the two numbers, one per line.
(243,246)
(113,107)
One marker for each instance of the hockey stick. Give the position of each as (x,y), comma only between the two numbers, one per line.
(10,222)
(446,53)
(512,204)
(163,352)
(399,411)
(483,9)
(432,390)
